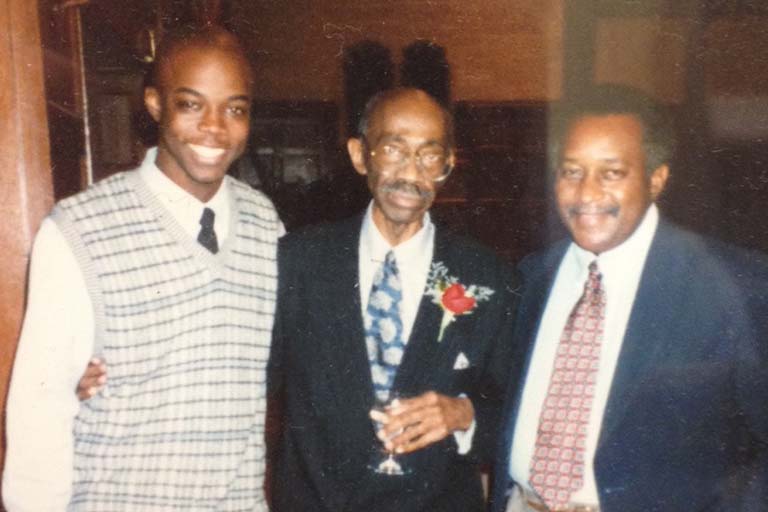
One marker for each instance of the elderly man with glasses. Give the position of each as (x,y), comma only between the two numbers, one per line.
(390,351)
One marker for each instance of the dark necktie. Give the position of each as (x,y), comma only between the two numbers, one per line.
(384,327)
(557,466)
(207,236)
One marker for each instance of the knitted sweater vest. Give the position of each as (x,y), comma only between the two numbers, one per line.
(185,334)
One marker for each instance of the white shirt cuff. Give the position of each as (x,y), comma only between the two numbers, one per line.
(464,438)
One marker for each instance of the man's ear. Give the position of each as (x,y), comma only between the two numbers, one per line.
(153,103)
(659,180)
(356,151)
(452,159)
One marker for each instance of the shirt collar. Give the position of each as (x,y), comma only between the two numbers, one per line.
(171,193)
(373,242)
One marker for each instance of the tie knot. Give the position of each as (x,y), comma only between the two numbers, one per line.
(389,259)
(207,235)
(594,279)
(206,221)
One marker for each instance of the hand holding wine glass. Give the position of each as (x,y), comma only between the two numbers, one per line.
(388,465)
(410,424)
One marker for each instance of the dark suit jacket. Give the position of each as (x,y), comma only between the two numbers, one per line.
(685,422)
(320,372)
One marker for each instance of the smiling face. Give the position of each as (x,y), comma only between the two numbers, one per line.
(202,104)
(602,187)
(402,194)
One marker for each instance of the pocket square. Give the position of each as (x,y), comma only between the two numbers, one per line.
(461,362)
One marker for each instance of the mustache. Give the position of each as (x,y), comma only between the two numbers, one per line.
(407,187)
(592,210)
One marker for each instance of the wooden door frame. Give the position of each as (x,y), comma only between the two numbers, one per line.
(26,193)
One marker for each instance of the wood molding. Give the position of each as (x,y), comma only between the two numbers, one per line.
(26,191)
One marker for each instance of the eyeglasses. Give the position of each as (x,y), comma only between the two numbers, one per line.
(432,159)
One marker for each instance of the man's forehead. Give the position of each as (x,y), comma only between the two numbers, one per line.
(408,102)
(406,118)
(194,52)
(607,122)
(616,130)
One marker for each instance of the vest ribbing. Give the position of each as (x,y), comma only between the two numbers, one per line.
(185,335)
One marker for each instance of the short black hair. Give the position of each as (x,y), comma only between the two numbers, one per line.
(205,36)
(611,99)
(382,97)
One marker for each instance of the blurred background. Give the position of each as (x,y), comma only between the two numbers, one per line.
(72,73)
(500,63)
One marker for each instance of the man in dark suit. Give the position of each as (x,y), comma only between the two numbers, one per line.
(387,305)
(644,384)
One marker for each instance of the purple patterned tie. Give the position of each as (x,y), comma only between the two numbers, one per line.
(557,466)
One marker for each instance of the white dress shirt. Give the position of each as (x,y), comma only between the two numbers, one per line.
(57,341)
(413,257)
(621,268)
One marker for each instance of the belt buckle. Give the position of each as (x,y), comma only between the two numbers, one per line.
(578,508)
(536,504)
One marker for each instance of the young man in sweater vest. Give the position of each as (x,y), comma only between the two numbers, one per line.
(167,273)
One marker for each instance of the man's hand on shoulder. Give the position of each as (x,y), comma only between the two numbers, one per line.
(93,380)
(414,423)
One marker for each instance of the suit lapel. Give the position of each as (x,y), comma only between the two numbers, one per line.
(422,347)
(651,320)
(348,352)
(537,284)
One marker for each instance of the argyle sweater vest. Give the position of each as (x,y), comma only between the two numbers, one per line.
(185,335)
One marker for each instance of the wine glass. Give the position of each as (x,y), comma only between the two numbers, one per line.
(384,462)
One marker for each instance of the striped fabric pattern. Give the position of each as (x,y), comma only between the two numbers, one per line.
(185,334)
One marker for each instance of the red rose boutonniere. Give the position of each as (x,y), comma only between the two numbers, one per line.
(453,297)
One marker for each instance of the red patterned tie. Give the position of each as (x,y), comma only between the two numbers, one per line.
(557,467)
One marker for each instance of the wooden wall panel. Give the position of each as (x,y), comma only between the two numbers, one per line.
(498,49)
(646,52)
(735,57)
(25,185)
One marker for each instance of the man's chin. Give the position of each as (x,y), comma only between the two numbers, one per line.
(598,221)
(591,236)
(208,173)
(406,202)
(406,213)
(402,216)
